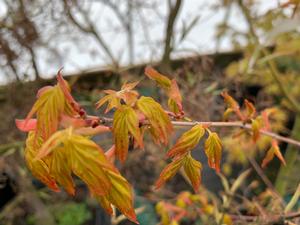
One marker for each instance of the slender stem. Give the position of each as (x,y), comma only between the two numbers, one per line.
(237,124)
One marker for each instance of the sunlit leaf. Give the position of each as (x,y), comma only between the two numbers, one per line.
(125,122)
(73,153)
(160,123)
(213,150)
(187,141)
(52,103)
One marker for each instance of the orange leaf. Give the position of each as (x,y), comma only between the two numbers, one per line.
(213,150)
(250,109)
(26,126)
(113,98)
(192,169)
(175,96)
(232,106)
(187,141)
(274,150)
(231,103)
(125,122)
(162,80)
(161,126)
(171,88)
(169,171)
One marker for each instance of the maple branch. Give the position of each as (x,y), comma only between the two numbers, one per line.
(238,124)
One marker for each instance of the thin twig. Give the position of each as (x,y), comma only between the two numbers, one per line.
(237,124)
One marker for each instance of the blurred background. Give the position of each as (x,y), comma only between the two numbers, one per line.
(250,48)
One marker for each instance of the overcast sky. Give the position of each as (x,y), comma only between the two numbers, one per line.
(200,40)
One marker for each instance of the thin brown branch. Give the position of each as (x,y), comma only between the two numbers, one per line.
(237,124)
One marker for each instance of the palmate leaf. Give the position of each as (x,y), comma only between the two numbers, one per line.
(192,168)
(113,98)
(52,102)
(161,126)
(187,141)
(73,153)
(213,150)
(125,123)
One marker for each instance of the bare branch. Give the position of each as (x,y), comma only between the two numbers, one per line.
(169,34)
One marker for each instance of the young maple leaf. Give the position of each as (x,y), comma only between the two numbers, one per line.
(193,168)
(162,80)
(250,109)
(52,102)
(169,171)
(125,122)
(161,126)
(213,150)
(121,198)
(39,168)
(171,88)
(274,150)
(113,98)
(232,106)
(73,153)
(187,141)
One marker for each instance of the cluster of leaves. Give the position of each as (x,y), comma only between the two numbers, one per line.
(59,143)
(259,122)
(189,207)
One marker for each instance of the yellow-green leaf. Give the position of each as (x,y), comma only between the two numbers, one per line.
(125,122)
(187,141)
(52,103)
(213,150)
(161,126)
(192,169)
(169,171)
(38,167)
(74,153)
